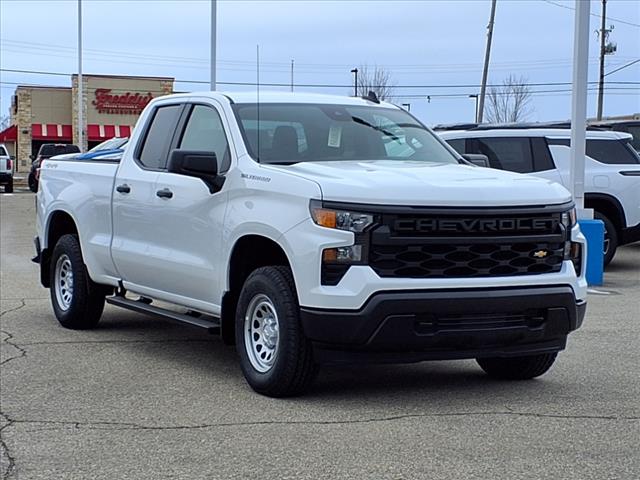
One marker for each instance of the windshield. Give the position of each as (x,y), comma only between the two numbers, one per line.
(292,133)
(111,144)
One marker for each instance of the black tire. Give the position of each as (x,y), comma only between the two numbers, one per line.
(33,183)
(84,309)
(517,368)
(293,368)
(610,237)
(8,188)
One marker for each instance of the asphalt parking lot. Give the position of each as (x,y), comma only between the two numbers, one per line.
(142,398)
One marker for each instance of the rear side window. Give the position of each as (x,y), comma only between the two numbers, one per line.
(153,154)
(457,144)
(3,151)
(204,132)
(506,153)
(610,152)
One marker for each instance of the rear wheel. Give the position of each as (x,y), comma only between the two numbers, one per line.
(610,238)
(77,301)
(275,356)
(517,368)
(8,188)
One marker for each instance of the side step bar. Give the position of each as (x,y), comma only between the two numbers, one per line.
(212,324)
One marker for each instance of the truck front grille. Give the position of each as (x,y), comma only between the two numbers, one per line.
(438,260)
(463,243)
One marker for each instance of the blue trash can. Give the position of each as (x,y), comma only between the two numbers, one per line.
(593,230)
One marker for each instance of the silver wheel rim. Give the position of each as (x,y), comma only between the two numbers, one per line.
(261,333)
(64,282)
(607,243)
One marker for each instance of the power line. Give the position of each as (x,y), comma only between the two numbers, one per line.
(324,85)
(623,66)
(550,2)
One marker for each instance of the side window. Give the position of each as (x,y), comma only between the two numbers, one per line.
(505,153)
(457,144)
(3,152)
(541,156)
(204,131)
(611,152)
(156,143)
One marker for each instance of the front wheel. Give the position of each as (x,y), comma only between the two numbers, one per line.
(275,356)
(517,368)
(77,301)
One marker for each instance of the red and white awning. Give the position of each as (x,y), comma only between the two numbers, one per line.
(51,131)
(96,133)
(9,134)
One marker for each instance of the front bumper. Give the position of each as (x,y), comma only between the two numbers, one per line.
(446,324)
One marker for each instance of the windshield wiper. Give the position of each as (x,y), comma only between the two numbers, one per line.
(379,129)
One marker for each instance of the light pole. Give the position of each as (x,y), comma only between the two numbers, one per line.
(80,99)
(355,82)
(212,65)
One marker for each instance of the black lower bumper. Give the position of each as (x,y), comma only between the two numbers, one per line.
(446,324)
(630,235)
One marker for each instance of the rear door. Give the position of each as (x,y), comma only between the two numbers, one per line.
(138,225)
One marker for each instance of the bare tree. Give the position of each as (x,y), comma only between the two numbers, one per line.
(510,103)
(5,122)
(376,79)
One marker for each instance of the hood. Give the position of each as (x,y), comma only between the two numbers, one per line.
(392,182)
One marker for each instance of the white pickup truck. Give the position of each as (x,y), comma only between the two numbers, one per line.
(312,229)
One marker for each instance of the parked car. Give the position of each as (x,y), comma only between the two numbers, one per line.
(631,127)
(6,169)
(306,237)
(612,169)
(113,146)
(47,150)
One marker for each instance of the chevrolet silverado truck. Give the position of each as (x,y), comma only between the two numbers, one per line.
(310,229)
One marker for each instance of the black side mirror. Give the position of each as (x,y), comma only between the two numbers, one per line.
(199,164)
(477,159)
(12,157)
(32,157)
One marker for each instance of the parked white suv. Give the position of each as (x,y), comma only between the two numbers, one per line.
(612,170)
(6,169)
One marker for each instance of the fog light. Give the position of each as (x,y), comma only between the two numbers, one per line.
(352,254)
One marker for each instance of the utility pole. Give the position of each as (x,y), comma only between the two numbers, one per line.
(355,82)
(292,75)
(605,49)
(212,65)
(80,99)
(487,55)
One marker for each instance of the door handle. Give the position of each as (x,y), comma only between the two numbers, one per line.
(124,188)
(164,193)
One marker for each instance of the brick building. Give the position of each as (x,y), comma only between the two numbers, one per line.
(111,106)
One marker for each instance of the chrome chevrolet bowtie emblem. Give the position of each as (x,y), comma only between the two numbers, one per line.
(540,254)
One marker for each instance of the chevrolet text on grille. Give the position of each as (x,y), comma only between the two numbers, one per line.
(475,225)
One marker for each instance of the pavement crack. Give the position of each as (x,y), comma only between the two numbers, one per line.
(4,449)
(8,340)
(115,425)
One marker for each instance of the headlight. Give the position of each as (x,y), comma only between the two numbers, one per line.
(355,222)
(569,219)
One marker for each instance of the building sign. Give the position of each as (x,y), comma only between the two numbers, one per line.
(126,104)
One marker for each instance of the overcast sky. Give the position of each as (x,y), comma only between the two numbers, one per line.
(430,44)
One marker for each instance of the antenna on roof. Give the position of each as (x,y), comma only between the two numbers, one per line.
(372,97)
(258,99)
